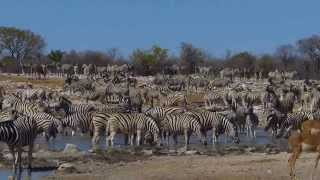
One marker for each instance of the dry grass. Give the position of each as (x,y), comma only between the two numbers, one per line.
(50,83)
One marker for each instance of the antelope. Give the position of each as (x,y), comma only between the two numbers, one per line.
(308,139)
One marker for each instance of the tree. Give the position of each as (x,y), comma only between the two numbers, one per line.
(287,55)
(311,47)
(55,56)
(244,61)
(20,44)
(191,57)
(149,62)
(266,64)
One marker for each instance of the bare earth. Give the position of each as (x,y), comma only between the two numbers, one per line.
(255,166)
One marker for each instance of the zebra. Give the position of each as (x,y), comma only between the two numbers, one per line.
(16,134)
(100,125)
(7,115)
(252,122)
(131,124)
(274,121)
(212,121)
(12,101)
(70,108)
(47,124)
(238,115)
(175,124)
(250,98)
(158,112)
(175,100)
(293,121)
(78,120)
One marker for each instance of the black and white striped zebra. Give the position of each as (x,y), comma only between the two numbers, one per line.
(225,126)
(17,134)
(132,124)
(274,120)
(175,99)
(81,121)
(175,124)
(252,122)
(212,121)
(70,108)
(158,112)
(293,121)
(47,124)
(12,101)
(100,125)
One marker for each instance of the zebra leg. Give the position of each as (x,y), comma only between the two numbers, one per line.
(214,137)
(73,132)
(19,160)
(96,138)
(112,135)
(131,138)
(138,137)
(167,136)
(30,159)
(186,138)
(175,138)
(14,166)
(126,139)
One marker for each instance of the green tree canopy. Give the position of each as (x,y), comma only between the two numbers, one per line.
(55,56)
(20,44)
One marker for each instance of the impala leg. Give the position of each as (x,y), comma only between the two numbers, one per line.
(292,160)
(316,163)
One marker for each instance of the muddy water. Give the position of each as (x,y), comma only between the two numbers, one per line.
(35,175)
(84,142)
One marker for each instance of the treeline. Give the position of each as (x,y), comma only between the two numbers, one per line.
(20,49)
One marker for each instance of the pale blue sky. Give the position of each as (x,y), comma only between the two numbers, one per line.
(258,26)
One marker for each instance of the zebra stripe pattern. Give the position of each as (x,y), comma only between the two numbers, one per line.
(131,124)
(17,134)
(212,121)
(100,125)
(70,108)
(293,121)
(48,124)
(16,103)
(78,121)
(176,124)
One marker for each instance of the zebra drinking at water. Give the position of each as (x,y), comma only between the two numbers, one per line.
(132,124)
(175,124)
(78,121)
(216,122)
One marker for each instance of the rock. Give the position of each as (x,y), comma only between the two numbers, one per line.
(181,150)
(191,152)
(67,168)
(71,148)
(147,152)
(8,156)
(269,171)
(251,149)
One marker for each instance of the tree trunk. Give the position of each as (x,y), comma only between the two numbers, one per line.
(21,66)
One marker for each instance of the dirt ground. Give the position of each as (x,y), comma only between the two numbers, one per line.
(255,166)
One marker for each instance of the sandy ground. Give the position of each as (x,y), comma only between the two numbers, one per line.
(255,166)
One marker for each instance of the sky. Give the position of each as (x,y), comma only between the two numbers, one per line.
(257,26)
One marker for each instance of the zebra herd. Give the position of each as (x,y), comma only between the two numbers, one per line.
(153,110)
